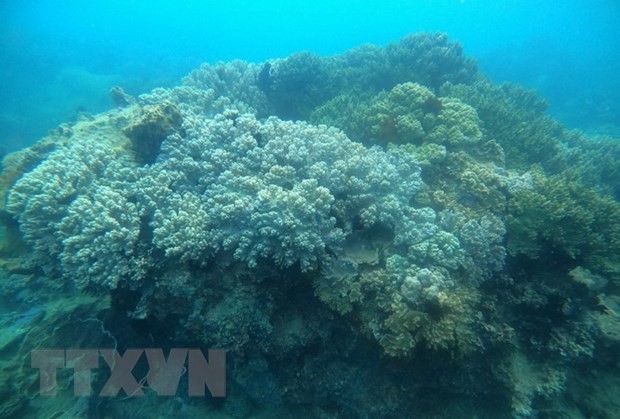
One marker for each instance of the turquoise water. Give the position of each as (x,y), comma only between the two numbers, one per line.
(61,57)
(366,209)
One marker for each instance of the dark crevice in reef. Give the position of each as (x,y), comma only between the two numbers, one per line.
(154,124)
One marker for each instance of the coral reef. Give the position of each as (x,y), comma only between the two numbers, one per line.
(277,190)
(152,127)
(383,218)
(295,86)
(236,80)
(429,59)
(563,216)
(41,199)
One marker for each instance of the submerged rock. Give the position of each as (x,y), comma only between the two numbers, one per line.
(153,125)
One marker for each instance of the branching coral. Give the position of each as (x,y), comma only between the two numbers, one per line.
(382,211)
(41,199)
(514,117)
(418,307)
(408,114)
(277,190)
(99,235)
(281,190)
(417,296)
(297,84)
(557,215)
(429,59)
(236,80)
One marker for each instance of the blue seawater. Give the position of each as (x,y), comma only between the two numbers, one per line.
(373,207)
(60,57)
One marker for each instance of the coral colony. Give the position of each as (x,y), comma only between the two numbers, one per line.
(383,217)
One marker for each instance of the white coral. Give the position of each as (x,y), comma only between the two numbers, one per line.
(98,237)
(272,190)
(40,198)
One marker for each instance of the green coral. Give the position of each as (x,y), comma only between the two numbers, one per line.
(560,215)
(347,112)
(595,162)
(429,59)
(514,117)
(405,306)
(457,124)
(297,84)
(442,249)
(404,115)
(469,182)
(408,114)
(443,322)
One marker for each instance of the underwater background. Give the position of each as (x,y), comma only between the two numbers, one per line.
(377,209)
(61,57)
